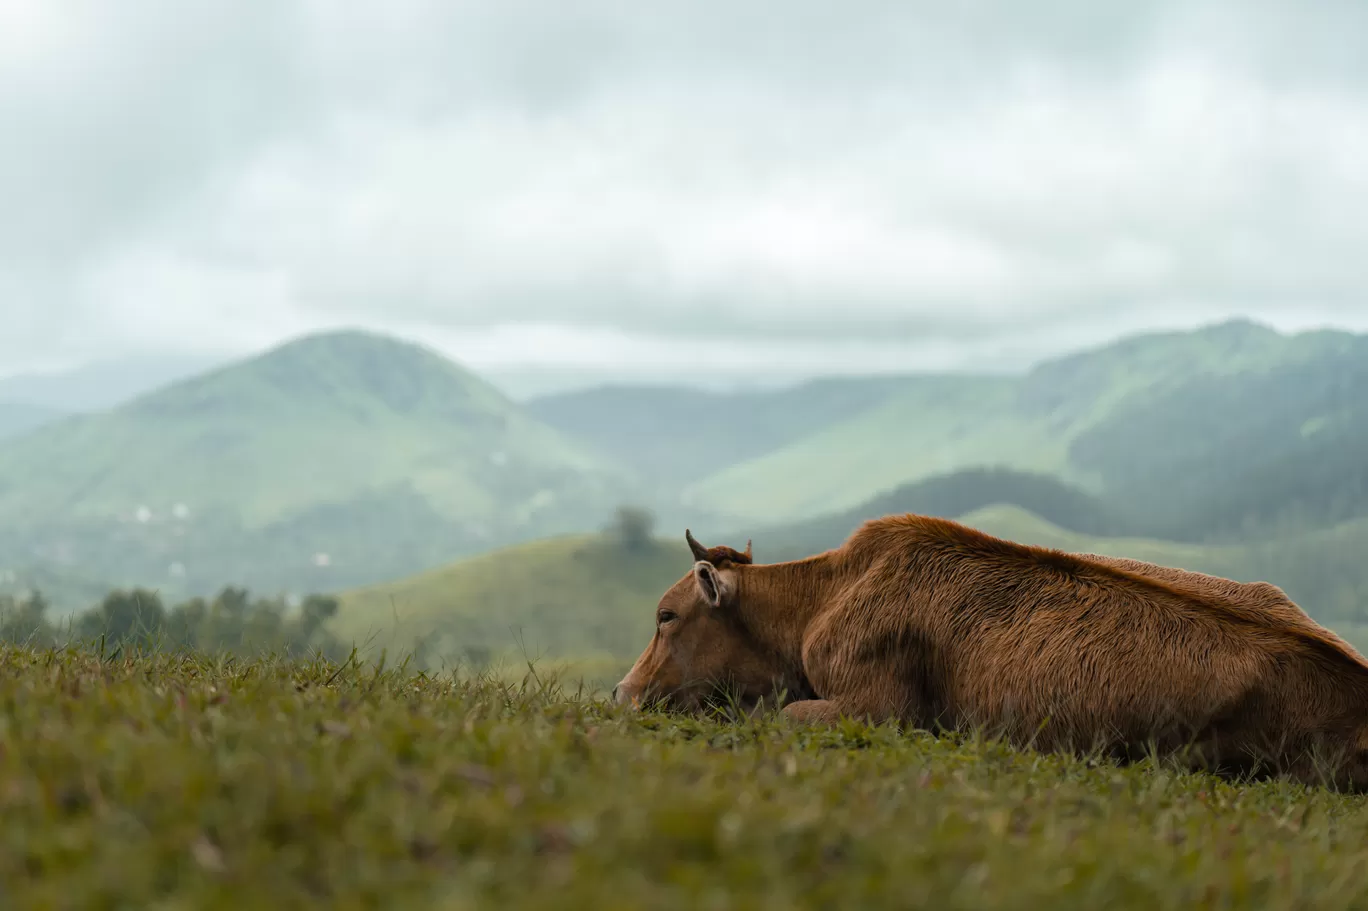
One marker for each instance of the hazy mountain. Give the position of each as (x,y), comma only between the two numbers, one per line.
(381,454)
(673,434)
(1221,454)
(1028,423)
(949,496)
(345,458)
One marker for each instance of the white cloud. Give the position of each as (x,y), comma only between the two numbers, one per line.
(855,186)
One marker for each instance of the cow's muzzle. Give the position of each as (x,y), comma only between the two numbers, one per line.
(625,694)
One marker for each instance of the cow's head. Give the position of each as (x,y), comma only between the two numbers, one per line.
(702,650)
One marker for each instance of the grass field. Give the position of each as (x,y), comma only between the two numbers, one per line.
(179,782)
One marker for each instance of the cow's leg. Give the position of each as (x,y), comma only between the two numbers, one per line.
(812,711)
(883,674)
(829,711)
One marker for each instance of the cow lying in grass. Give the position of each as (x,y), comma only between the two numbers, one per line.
(933,624)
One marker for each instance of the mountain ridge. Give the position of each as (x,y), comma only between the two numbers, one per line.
(313,424)
(1027,422)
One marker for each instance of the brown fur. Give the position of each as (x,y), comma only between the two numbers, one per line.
(930,623)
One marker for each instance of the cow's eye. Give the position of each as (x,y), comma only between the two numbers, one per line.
(666,616)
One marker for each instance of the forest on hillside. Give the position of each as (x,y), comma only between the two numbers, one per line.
(1243,456)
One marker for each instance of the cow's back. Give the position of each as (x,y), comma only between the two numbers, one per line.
(1036,642)
(1254,598)
(1090,649)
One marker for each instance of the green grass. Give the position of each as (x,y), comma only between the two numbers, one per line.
(179,782)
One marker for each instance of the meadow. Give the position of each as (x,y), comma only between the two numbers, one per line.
(181,780)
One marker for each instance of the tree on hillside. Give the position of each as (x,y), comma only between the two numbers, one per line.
(632,527)
(135,615)
(316,611)
(23,621)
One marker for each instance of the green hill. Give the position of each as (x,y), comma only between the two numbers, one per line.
(1028,423)
(949,495)
(579,597)
(944,424)
(380,454)
(582,597)
(1220,454)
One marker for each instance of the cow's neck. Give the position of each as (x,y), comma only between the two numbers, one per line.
(778,601)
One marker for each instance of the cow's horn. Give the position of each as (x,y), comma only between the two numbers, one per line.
(749,555)
(699,551)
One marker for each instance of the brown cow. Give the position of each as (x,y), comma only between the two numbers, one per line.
(930,623)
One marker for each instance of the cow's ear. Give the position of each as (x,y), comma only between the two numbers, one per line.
(712,585)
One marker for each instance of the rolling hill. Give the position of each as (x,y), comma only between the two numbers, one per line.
(345,458)
(379,454)
(581,597)
(1282,447)
(1031,423)
(950,496)
(571,597)
(674,435)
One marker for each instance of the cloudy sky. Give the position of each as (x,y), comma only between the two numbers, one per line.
(677,187)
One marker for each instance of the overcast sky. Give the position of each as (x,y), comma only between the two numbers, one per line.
(676,186)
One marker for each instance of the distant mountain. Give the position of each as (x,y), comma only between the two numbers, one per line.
(340,456)
(1028,423)
(950,496)
(101,385)
(674,435)
(18,418)
(942,424)
(525,383)
(344,458)
(1219,455)
(1080,388)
